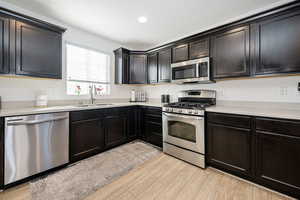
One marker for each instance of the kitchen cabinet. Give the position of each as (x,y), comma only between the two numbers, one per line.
(276,42)
(152,125)
(278,149)
(4,44)
(229,144)
(134,121)
(180,53)
(230,53)
(138,69)
(116,127)
(152,65)
(199,49)
(38,51)
(1,152)
(263,150)
(164,65)
(86,135)
(121,66)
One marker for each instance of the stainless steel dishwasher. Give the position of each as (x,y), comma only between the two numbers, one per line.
(35,143)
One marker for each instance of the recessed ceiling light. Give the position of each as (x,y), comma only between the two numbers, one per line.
(142,19)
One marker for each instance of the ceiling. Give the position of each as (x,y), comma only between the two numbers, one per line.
(168,20)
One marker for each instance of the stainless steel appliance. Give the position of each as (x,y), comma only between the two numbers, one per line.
(192,71)
(35,143)
(184,126)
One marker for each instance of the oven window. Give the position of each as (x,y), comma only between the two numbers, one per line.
(184,72)
(182,130)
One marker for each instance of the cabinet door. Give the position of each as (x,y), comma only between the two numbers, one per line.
(199,49)
(133,123)
(38,51)
(278,161)
(121,66)
(153,131)
(277,46)
(1,152)
(230,53)
(115,130)
(180,53)
(4,44)
(229,148)
(164,65)
(152,68)
(138,72)
(87,139)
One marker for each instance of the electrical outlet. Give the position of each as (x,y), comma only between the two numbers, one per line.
(283,91)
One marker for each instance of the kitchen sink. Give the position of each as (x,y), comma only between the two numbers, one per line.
(94,105)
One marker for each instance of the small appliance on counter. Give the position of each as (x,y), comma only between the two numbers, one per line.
(184,126)
(41,100)
(165,98)
(138,96)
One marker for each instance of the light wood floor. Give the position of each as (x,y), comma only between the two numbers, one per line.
(165,177)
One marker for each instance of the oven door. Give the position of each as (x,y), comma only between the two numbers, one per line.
(184,131)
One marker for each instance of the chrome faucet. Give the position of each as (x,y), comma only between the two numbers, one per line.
(92,92)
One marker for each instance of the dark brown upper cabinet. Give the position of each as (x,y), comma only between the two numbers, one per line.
(180,53)
(276,42)
(164,65)
(121,66)
(38,51)
(138,69)
(199,49)
(230,53)
(4,44)
(152,68)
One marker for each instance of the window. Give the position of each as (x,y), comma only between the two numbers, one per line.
(87,68)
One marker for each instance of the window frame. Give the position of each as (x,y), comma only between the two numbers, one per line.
(84,81)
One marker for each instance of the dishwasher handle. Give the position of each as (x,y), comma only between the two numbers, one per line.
(32,122)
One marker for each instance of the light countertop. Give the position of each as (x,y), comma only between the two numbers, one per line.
(261,109)
(67,108)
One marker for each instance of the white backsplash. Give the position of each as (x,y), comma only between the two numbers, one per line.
(272,89)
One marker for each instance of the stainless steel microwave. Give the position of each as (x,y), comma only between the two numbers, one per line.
(192,71)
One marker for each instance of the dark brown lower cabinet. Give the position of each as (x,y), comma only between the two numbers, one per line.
(115,129)
(230,147)
(278,162)
(152,126)
(1,152)
(266,153)
(86,138)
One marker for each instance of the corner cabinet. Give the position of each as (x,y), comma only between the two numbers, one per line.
(164,65)
(121,66)
(38,51)
(138,68)
(5,44)
(276,42)
(231,53)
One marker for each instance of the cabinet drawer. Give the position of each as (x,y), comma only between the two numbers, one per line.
(285,127)
(230,120)
(86,114)
(153,111)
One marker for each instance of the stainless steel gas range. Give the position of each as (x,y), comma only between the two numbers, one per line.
(184,126)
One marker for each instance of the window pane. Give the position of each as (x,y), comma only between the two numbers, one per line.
(87,65)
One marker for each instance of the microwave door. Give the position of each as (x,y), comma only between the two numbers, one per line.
(184,72)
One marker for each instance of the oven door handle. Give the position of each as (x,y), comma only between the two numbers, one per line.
(183,116)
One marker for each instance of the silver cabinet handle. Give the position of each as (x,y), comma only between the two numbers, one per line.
(35,121)
(182,116)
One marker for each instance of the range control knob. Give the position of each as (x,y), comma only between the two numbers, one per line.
(179,110)
(196,112)
(190,111)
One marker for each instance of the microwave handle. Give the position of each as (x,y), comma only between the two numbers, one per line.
(197,70)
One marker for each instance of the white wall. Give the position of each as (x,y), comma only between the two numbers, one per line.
(275,89)
(25,89)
